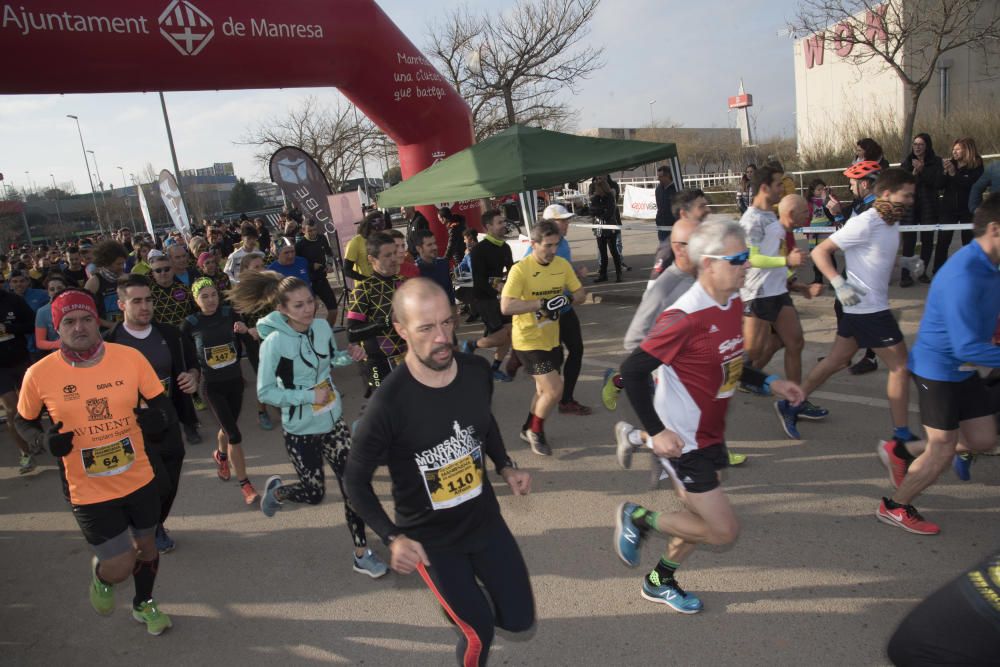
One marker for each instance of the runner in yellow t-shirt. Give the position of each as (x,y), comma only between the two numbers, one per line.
(92,392)
(534,295)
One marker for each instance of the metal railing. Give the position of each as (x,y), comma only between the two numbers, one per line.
(699,180)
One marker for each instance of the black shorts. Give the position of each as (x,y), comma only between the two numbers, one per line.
(540,362)
(872,330)
(945,405)
(321,288)
(698,470)
(489,313)
(10,378)
(105,525)
(767,308)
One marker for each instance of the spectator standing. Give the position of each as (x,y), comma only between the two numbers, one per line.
(923,163)
(961,171)
(665,192)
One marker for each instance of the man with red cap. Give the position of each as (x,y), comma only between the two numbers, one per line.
(91,389)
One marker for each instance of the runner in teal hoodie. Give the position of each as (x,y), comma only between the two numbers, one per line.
(297,352)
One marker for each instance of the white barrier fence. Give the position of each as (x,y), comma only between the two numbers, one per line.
(708,180)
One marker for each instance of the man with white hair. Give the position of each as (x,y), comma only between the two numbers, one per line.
(696,349)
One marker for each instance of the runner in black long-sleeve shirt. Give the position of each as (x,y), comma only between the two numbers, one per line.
(491,259)
(16,322)
(431,421)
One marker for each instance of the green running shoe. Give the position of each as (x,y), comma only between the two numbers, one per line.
(737,459)
(156,621)
(609,392)
(102,595)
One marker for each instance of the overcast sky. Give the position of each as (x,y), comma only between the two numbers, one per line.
(689,57)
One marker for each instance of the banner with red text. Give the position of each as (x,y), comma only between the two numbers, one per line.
(639,203)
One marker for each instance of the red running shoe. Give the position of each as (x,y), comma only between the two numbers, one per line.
(896,465)
(574,408)
(223,466)
(906,517)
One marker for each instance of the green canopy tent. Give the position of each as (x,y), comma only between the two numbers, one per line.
(521,160)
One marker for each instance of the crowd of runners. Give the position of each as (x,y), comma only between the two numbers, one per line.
(113,349)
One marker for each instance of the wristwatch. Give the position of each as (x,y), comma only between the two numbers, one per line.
(508,463)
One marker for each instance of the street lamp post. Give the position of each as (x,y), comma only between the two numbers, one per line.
(55,198)
(87,163)
(128,200)
(100,183)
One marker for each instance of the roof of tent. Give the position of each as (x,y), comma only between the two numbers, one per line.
(521,158)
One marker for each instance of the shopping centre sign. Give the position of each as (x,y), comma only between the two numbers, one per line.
(843,37)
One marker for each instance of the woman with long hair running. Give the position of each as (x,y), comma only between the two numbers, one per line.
(253,262)
(297,352)
(215,331)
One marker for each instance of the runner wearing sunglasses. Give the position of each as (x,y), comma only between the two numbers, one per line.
(696,349)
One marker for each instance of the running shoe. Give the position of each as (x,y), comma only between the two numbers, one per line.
(610,392)
(538,443)
(671,594)
(574,408)
(866,365)
(164,543)
(500,376)
(26,464)
(512,365)
(962,465)
(369,563)
(906,281)
(264,420)
(737,459)
(924,278)
(199,403)
(895,464)
(468,347)
(156,621)
(748,388)
(906,517)
(807,410)
(222,466)
(102,595)
(788,417)
(623,446)
(628,537)
(192,435)
(250,495)
(269,504)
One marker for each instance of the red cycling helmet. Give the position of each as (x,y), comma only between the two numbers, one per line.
(864,169)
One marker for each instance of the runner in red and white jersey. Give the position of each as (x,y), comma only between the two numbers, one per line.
(700,346)
(696,349)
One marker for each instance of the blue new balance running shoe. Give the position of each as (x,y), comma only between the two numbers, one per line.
(962,464)
(669,593)
(789,418)
(628,538)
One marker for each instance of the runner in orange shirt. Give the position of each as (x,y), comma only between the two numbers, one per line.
(92,392)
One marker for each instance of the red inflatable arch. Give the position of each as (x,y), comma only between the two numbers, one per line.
(101,46)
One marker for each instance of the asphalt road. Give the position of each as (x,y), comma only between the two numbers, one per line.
(814,578)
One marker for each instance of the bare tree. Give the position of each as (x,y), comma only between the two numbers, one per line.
(513,67)
(908,37)
(336,137)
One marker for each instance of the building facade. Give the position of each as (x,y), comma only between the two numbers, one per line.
(839,92)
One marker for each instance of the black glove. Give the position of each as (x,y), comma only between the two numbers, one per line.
(152,421)
(551,307)
(60,444)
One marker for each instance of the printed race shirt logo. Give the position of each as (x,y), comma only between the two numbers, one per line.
(186,27)
(453,469)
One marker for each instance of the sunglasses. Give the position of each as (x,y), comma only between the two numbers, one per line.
(168,268)
(736,260)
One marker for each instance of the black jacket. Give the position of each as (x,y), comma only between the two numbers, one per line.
(955,203)
(182,357)
(929,181)
(19,321)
